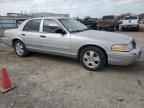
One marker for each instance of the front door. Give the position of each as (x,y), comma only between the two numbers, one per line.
(52,41)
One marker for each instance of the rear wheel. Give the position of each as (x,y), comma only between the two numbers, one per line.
(93,58)
(122,28)
(117,28)
(20,48)
(112,28)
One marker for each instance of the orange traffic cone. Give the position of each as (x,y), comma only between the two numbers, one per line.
(5,84)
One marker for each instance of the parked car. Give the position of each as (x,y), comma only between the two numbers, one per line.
(89,22)
(130,22)
(109,23)
(68,37)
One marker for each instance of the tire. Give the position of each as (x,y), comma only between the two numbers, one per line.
(92,58)
(20,48)
(137,29)
(122,29)
(98,28)
(112,29)
(117,28)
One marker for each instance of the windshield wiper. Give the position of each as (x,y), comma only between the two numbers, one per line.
(86,29)
(75,31)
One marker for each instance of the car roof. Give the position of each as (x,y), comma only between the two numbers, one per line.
(48,18)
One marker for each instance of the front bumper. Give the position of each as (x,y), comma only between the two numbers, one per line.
(124,58)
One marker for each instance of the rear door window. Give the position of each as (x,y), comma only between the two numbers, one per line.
(32,25)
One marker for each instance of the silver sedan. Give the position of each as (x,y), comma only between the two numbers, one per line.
(68,37)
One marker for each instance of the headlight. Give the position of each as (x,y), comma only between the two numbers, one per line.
(122,48)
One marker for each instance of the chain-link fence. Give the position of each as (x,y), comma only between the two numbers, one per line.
(7,22)
(10,22)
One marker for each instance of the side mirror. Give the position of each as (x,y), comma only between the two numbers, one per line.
(60,31)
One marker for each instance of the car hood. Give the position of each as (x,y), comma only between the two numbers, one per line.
(103,35)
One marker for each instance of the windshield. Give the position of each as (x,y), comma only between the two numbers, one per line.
(130,17)
(73,25)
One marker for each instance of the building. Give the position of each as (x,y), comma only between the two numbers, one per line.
(13,14)
(38,14)
(45,14)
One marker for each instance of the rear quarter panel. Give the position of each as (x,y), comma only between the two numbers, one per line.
(11,34)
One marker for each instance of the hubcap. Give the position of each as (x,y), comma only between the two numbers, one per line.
(19,48)
(91,59)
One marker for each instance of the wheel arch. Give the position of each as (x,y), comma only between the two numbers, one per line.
(91,45)
(15,39)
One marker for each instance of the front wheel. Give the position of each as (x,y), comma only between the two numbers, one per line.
(137,28)
(20,49)
(93,58)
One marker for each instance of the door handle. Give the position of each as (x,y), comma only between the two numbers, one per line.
(42,36)
(23,34)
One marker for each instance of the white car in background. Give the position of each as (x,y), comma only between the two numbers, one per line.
(130,22)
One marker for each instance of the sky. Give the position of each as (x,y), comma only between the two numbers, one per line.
(81,8)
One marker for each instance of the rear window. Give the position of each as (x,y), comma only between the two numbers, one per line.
(131,17)
(32,25)
(108,17)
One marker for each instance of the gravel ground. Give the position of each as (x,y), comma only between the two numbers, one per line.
(46,81)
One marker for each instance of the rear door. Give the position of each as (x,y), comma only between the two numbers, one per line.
(31,34)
